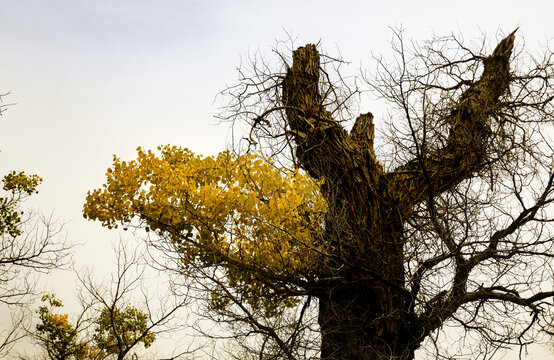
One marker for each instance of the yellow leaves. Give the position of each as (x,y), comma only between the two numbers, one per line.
(223,211)
(61,320)
(218,300)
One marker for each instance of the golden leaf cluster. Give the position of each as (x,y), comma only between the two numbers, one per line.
(240,213)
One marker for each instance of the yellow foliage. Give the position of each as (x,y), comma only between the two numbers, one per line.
(240,213)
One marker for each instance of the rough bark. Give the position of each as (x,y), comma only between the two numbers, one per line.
(366,311)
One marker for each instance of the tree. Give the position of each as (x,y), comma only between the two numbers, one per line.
(451,227)
(116,332)
(16,250)
(29,244)
(119,326)
(57,336)
(114,322)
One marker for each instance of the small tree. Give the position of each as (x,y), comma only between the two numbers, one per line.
(449,224)
(29,244)
(116,332)
(56,335)
(119,327)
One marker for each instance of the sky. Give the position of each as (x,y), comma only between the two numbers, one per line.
(91,79)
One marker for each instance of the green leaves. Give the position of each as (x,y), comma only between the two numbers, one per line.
(118,330)
(18,186)
(57,335)
(21,183)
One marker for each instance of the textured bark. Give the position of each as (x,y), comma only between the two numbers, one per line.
(365,311)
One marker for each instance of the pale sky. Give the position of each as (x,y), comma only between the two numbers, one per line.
(97,78)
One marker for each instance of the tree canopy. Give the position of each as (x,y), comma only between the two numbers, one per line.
(241,213)
(57,335)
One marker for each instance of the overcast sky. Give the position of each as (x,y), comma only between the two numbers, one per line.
(97,78)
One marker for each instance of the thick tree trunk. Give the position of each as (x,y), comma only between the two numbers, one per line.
(356,322)
(364,310)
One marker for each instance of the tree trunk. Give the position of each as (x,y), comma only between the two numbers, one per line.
(364,309)
(356,322)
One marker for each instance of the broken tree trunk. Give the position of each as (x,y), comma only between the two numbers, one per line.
(365,309)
